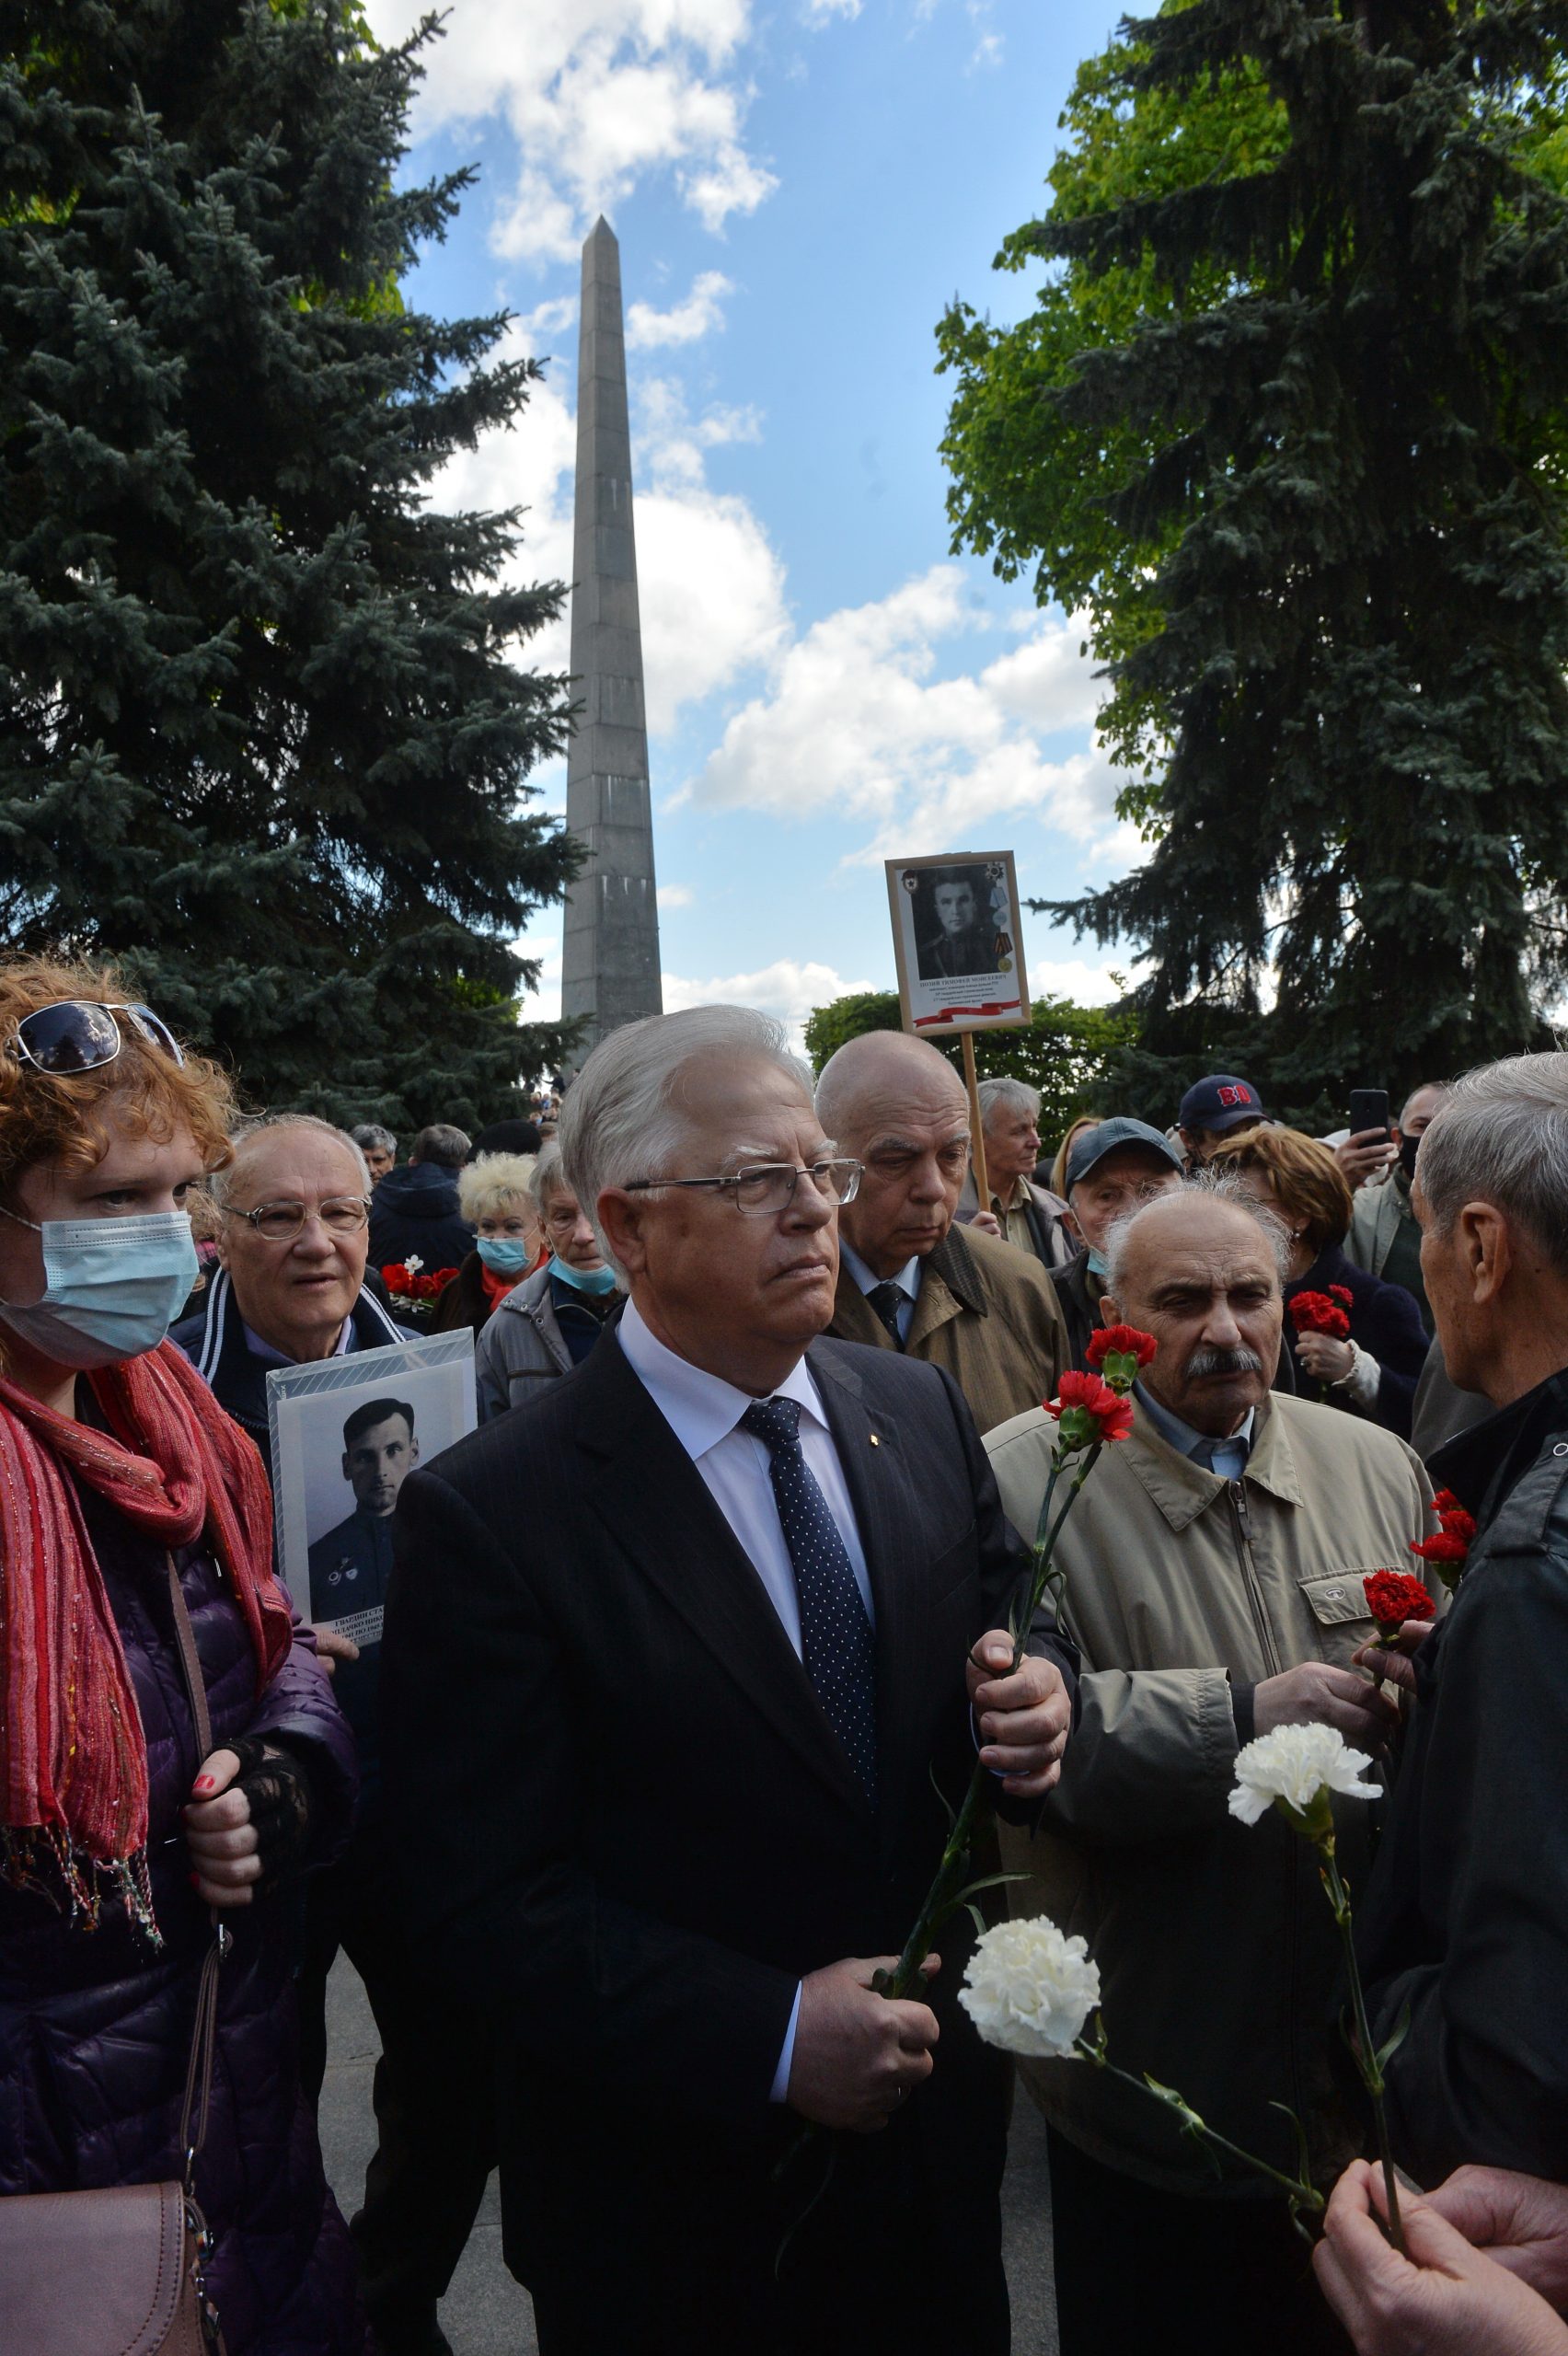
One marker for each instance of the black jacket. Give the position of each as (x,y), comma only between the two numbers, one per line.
(631,1830)
(1466,1919)
(413,1211)
(1385,1319)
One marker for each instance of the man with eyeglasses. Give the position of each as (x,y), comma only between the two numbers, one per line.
(673,1653)
(909,1279)
(294,1212)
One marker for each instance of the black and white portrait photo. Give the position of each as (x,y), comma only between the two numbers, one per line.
(956,941)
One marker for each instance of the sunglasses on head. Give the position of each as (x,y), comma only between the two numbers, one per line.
(76,1034)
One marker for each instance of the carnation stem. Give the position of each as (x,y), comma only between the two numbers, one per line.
(1367,2059)
(1303,2196)
(946,1892)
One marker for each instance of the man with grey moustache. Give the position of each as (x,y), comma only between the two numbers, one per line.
(1215,1568)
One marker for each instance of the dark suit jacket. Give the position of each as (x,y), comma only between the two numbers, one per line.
(630,1828)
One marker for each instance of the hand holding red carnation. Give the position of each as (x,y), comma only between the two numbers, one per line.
(1394,1597)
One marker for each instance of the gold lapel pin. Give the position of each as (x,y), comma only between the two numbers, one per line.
(874,1441)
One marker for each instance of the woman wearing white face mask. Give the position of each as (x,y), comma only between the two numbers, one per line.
(133,1514)
(548,1323)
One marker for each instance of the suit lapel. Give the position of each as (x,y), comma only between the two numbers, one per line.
(652,1497)
(883,1485)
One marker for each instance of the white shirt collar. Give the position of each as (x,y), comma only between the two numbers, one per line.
(700,1408)
(907,1278)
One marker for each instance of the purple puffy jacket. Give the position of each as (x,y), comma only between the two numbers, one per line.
(95,2025)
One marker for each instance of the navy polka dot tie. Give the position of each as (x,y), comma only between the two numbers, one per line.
(836,1632)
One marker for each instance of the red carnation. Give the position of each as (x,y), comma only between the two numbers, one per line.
(1089,1411)
(1314,1312)
(1445,1502)
(1342,1294)
(1394,1597)
(396,1278)
(1123,1341)
(1443,1548)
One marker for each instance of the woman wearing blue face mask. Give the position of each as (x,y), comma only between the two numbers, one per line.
(551,1321)
(493,1196)
(134,1516)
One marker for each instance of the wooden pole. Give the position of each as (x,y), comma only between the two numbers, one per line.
(977,1139)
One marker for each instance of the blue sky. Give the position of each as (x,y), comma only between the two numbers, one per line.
(798,192)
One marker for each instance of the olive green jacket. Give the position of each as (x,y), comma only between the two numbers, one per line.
(986,1313)
(1217,1954)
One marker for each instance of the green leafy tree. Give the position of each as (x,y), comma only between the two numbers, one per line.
(1075,1056)
(263,733)
(1297,399)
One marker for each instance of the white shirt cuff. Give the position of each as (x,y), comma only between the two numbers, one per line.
(1362,1383)
(780,2091)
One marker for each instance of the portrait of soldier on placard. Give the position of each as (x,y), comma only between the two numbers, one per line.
(351,1565)
(957,931)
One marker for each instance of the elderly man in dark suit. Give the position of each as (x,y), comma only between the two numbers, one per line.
(672,1656)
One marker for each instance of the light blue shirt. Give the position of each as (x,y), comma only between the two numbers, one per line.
(907,1279)
(1226,1457)
(704,1412)
(270,1356)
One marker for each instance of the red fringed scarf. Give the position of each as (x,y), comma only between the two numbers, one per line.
(73,1755)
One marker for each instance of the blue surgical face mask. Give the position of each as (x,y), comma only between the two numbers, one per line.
(594,1280)
(507,1255)
(113,1287)
(1099,1266)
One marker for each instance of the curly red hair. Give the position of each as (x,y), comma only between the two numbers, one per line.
(69,1120)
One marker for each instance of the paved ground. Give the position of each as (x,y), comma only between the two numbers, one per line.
(487,2314)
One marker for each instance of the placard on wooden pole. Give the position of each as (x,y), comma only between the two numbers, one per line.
(960,958)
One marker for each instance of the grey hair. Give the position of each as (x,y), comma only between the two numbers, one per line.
(218,1183)
(1501,1135)
(1012,1095)
(623,1119)
(548,1177)
(1221,1185)
(371,1137)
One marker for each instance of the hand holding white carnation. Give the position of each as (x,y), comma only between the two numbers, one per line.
(1291,1766)
(1030,1990)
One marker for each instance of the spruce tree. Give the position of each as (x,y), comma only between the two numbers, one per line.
(1337,426)
(263,733)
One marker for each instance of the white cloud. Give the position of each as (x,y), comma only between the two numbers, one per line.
(820,12)
(785,988)
(599,96)
(710,582)
(675,896)
(857,724)
(685,322)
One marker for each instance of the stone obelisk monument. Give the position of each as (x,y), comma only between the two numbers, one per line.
(610,966)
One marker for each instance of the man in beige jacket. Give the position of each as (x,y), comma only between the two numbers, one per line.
(909,1279)
(1214,1573)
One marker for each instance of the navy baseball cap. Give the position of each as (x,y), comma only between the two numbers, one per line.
(1220,1103)
(1095,1144)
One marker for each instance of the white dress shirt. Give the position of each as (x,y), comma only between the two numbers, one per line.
(906,1279)
(704,1412)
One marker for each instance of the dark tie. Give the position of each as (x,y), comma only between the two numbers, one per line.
(887,1300)
(836,1633)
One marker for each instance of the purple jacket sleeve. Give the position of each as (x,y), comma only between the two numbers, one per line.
(297,1709)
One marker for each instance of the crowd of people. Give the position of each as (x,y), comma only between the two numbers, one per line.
(689,1646)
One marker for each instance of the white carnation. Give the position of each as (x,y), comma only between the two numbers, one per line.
(1028,1990)
(414,1263)
(1293,1764)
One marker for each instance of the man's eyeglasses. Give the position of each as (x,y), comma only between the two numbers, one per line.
(767,1187)
(281,1222)
(77,1034)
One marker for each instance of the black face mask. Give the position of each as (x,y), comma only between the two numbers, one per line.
(1409,1147)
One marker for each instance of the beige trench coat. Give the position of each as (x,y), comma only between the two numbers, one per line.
(1217,1954)
(986,1311)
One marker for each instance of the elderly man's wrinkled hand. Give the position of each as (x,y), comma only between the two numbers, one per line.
(1445,2299)
(330,1648)
(1396,1661)
(1519,2221)
(1317,1693)
(1022,1715)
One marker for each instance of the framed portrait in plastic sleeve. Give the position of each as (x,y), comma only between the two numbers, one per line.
(957,941)
(345,1434)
